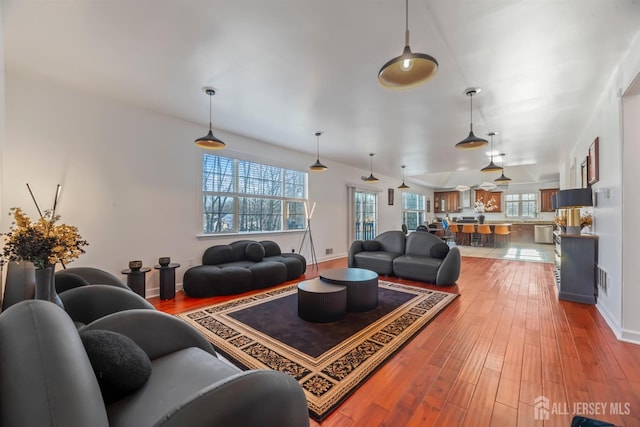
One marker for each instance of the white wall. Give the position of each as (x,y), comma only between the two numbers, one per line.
(130,178)
(606,123)
(631,207)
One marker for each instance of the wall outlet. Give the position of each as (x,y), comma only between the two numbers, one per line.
(328,251)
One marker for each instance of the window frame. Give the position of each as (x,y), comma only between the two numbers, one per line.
(530,199)
(208,196)
(420,212)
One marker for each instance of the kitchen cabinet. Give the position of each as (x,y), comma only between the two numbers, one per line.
(522,233)
(545,199)
(446,201)
(575,267)
(485,196)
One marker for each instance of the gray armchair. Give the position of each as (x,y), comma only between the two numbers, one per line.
(46,377)
(85,304)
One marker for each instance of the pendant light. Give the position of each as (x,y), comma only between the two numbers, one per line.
(471,141)
(371,178)
(491,167)
(209,140)
(403,186)
(502,179)
(409,69)
(317,166)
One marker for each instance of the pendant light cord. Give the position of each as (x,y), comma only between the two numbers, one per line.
(471,113)
(210,125)
(406,23)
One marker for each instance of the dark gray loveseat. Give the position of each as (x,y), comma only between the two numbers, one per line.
(47,378)
(419,256)
(242,266)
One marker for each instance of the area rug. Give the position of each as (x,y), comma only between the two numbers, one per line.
(330,360)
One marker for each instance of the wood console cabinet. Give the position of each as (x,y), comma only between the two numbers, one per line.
(576,260)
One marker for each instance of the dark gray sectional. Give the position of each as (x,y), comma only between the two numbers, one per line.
(419,256)
(242,266)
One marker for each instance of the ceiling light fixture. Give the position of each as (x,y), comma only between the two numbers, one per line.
(403,186)
(502,179)
(491,167)
(210,141)
(471,141)
(409,69)
(371,178)
(317,166)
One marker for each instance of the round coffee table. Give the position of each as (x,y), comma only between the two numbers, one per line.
(321,302)
(362,286)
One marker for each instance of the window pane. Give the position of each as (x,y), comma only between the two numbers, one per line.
(218,214)
(259,214)
(528,208)
(294,216)
(294,184)
(254,178)
(217,174)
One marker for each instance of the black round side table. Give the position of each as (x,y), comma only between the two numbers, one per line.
(167,280)
(136,280)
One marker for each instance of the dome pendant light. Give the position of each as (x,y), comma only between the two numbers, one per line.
(209,140)
(502,179)
(317,166)
(371,178)
(409,69)
(403,186)
(491,167)
(471,141)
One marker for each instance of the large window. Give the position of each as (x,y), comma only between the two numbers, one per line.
(520,205)
(412,209)
(242,196)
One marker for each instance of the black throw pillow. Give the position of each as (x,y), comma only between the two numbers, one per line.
(439,250)
(120,366)
(371,245)
(254,252)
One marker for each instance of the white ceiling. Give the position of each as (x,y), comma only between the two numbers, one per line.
(284,69)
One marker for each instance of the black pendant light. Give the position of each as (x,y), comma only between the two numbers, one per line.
(409,69)
(502,179)
(317,166)
(403,186)
(471,141)
(491,167)
(209,140)
(371,178)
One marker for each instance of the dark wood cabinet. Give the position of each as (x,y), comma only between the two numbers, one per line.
(546,195)
(575,270)
(446,201)
(484,197)
(522,233)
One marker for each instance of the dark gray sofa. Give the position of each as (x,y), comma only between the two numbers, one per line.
(46,377)
(242,266)
(419,256)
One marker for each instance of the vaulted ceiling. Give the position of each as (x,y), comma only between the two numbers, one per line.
(284,69)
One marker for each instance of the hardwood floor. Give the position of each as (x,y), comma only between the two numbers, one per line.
(483,361)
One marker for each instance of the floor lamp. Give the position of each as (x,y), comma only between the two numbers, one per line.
(307,232)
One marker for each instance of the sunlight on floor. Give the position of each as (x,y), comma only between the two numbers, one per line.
(530,252)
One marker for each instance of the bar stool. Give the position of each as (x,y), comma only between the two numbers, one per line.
(468,229)
(484,230)
(454,230)
(501,230)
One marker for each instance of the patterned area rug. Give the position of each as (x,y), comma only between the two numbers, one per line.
(263,331)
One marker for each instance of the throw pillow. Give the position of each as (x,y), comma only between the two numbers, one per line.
(371,245)
(439,250)
(254,252)
(120,366)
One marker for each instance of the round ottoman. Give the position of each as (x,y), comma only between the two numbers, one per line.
(321,302)
(362,287)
